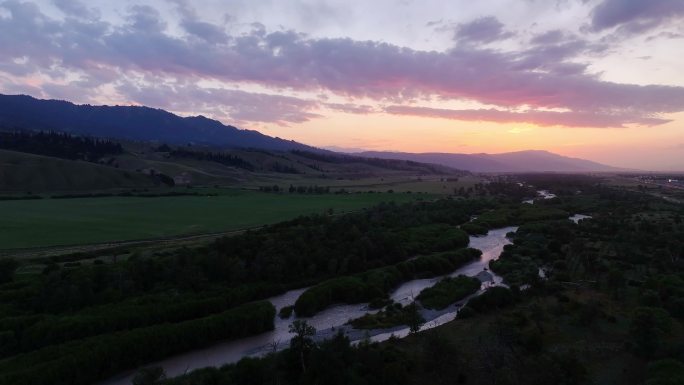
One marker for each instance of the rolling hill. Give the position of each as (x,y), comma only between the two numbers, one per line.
(520,161)
(22,172)
(39,162)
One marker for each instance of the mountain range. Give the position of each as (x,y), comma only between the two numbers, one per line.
(519,161)
(134,123)
(139,123)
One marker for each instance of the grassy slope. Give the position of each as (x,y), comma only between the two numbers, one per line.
(51,222)
(23,172)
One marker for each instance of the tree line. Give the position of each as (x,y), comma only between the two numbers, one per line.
(218,157)
(60,145)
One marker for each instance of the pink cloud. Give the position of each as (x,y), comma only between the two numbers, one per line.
(234,105)
(540,118)
(542,76)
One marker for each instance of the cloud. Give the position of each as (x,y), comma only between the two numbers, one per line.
(234,105)
(635,16)
(666,35)
(549,37)
(540,118)
(207,31)
(482,30)
(545,75)
(75,8)
(519,130)
(144,18)
(351,108)
(192,25)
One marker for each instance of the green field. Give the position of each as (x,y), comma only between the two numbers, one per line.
(52,222)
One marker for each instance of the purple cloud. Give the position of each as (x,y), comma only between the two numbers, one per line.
(207,31)
(192,25)
(540,118)
(549,37)
(635,16)
(235,105)
(543,76)
(482,30)
(351,108)
(75,8)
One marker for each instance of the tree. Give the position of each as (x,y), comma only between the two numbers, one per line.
(616,280)
(7,268)
(648,326)
(149,376)
(413,318)
(665,372)
(302,343)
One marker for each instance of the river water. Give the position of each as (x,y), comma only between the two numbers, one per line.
(333,319)
(543,194)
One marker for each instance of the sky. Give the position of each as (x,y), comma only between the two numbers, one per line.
(596,79)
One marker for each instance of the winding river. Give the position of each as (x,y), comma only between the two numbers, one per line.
(333,319)
(329,321)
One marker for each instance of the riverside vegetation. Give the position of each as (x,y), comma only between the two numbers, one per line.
(607,307)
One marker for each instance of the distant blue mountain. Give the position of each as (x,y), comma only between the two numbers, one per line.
(520,161)
(131,123)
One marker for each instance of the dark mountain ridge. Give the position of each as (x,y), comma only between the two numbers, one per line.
(145,124)
(135,123)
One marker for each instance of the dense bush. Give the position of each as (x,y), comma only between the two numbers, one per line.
(376,283)
(493,298)
(140,312)
(392,315)
(448,291)
(84,361)
(517,214)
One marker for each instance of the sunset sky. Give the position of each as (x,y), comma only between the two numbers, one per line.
(601,79)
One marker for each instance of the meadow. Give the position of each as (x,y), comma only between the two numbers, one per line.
(52,222)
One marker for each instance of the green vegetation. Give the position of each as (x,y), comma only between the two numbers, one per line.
(374,285)
(46,163)
(97,357)
(48,222)
(492,299)
(286,312)
(52,325)
(513,214)
(607,308)
(448,291)
(66,316)
(333,362)
(392,315)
